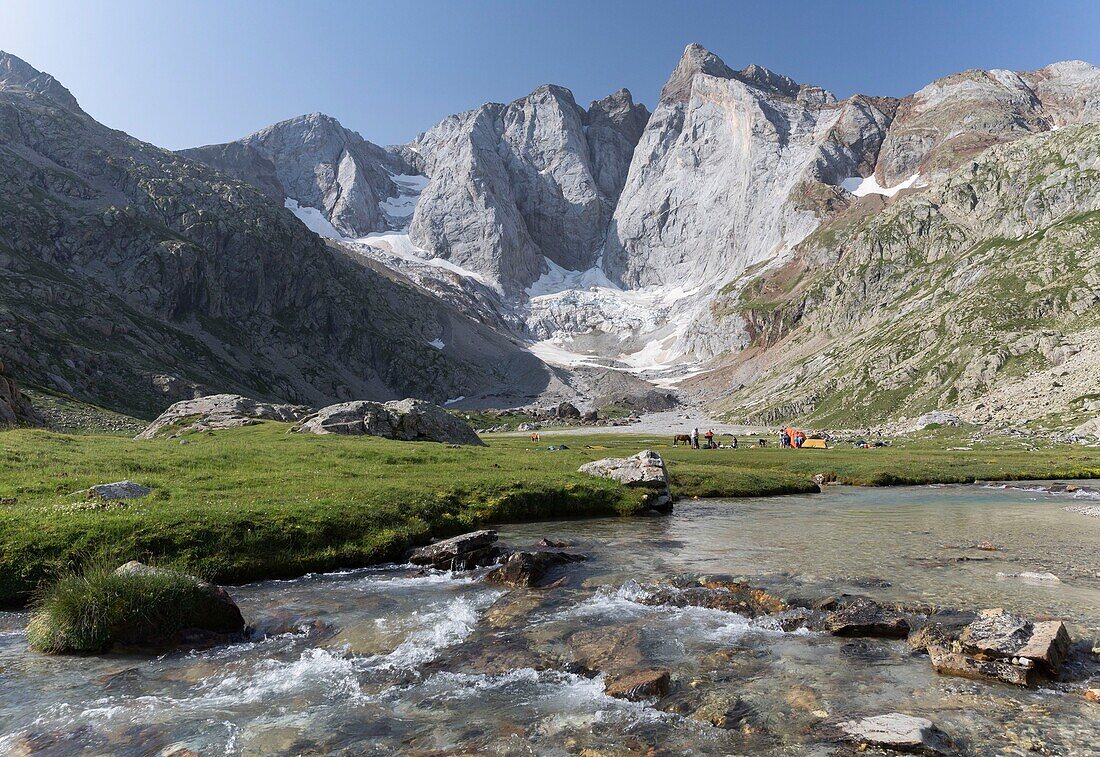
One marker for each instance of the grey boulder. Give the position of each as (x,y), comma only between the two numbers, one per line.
(219,411)
(407,420)
(119,490)
(645,469)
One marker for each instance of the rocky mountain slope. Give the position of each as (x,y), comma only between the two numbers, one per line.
(946,298)
(134,276)
(778,251)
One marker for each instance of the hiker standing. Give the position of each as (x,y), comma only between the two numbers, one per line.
(695,438)
(710,439)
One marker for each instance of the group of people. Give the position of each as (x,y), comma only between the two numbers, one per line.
(789,439)
(709,442)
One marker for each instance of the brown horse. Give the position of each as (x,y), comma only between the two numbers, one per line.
(685,438)
(535,436)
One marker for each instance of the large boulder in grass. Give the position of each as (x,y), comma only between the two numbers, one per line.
(134,607)
(645,469)
(405,420)
(218,411)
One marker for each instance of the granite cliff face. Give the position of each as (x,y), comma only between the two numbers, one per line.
(512,186)
(134,276)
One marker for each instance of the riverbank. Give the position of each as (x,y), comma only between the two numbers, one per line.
(256,502)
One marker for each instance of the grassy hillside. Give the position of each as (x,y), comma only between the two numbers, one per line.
(258,502)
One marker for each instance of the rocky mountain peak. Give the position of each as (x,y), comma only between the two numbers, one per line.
(767,79)
(695,60)
(16,72)
(619,111)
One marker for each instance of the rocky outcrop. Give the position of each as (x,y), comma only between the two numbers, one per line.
(464,552)
(134,276)
(715,594)
(897,732)
(406,420)
(219,411)
(15,409)
(645,469)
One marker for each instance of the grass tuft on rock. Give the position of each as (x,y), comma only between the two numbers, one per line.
(86,612)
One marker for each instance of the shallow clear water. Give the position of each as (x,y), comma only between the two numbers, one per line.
(384,660)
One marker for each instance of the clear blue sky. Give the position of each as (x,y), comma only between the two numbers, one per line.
(181,74)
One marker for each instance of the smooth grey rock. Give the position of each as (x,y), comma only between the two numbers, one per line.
(405,420)
(904,733)
(938,417)
(219,411)
(119,490)
(645,469)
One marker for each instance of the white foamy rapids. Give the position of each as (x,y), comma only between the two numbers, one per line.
(330,673)
(433,631)
(560,701)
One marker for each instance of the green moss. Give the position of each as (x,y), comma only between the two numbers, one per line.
(87,611)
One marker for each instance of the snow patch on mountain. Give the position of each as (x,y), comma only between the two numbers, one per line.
(314,219)
(396,250)
(399,208)
(860,186)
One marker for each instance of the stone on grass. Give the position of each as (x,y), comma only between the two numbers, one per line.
(638,685)
(119,490)
(525,569)
(902,733)
(645,469)
(865,617)
(406,420)
(464,552)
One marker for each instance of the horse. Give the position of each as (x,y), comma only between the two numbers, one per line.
(535,436)
(685,438)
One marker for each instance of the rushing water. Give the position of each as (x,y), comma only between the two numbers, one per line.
(387,660)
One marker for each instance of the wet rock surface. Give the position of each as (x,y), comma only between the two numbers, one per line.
(464,552)
(865,617)
(903,733)
(526,569)
(639,685)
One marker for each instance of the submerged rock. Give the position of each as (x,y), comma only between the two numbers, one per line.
(406,420)
(607,648)
(645,469)
(638,685)
(525,569)
(865,617)
(716,594)
(903,733)
(464,552)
